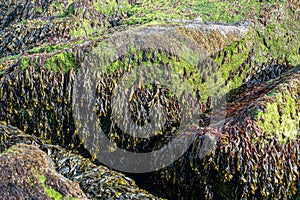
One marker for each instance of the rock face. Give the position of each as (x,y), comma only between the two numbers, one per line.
(45,81)
(248,156)
(29,156)
(46,45)
(97,182)
(28,173)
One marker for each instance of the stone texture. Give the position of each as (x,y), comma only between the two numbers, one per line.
(27,173)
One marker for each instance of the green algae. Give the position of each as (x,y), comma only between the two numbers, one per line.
(280,119)
(70,11)
(49,191)
(14,57)
(57,8)
(52,192)
(230,59)
(192,80)
(85,29)
(109,8)
(44,49)
(13,149)
(282,40)
(24,62)
(230,11)
(148,11)
(63,61)
(278,40)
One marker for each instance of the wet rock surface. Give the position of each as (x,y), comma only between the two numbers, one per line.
(246,156)
(66,172)
(97,182)
(255,64)
(28,173)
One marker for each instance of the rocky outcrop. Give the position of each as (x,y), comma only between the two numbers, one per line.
(30,161)
(97,182)
(28,173)
(46,45)
(254,153)
(38,100)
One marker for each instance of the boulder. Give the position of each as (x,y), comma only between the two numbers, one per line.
(66,173)
(238,58)
(28,173)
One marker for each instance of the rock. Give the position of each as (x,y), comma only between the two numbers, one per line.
(28,173)
(70,174)
(250,62)
(250,154)
(97,182)
(43,93)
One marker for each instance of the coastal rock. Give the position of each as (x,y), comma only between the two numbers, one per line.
(28,173)
(244,55)
(67,173)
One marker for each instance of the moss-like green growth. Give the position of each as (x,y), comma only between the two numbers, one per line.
(148,11)
(52,192)
(57,8)
(70,11)
(109,8)
(277,40)
(63,61)
(48,48)
(230,11)
(44,48)
(13,149)
(49,191)
(14,57)
(25,62)
(193,76)
(230,59)
(280,119)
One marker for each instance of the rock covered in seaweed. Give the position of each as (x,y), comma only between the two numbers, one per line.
(97,182)
(52,161)
(246,69)
(257,155)
(26,24)
(28,173)
(44,97)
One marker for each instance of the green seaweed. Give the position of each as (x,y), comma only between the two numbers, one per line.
(13,57)
(49,191)
(230,11)
(157,11)
(109,8)
(278,40)
(24,62)
(70,11)
(233,62)
(63,61)
(84,29)
(13,149)
(57,8)
(284,126)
